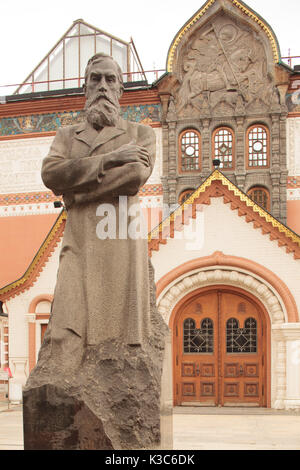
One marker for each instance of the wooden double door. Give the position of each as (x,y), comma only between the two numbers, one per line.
(219,346)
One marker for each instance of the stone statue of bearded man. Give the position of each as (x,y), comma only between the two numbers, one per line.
(102,289)
(97,382)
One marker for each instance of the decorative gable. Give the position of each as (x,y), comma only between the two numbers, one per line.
(218,186)
(225,55)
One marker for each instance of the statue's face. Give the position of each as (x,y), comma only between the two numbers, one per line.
(102,90)
(103,81)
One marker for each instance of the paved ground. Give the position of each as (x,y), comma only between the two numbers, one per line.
(199,429)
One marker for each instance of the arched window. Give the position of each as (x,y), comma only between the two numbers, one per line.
(258,147)
(189,151)
(198,340)
(223,147)
(185,195)
(261,196)
(241,340)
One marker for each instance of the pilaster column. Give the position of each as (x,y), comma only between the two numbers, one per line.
(287,365)
(172,171)
(206,147)
(240,147)
(31,321)
(293,373)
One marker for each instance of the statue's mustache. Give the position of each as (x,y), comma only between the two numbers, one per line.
(99,96)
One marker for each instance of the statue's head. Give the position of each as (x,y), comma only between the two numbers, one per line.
(103,88)
(106,59)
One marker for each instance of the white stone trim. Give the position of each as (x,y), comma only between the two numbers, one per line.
(29,209)
(293,194)
(38,335)
(30,317)
(221,275)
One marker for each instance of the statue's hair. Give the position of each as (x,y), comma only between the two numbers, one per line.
(99,56)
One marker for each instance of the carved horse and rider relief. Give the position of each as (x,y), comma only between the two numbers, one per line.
(223,63)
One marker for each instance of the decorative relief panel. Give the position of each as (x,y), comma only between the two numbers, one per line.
(207,370)
(251,370)
(231,370)
(251,389)
(223,68)
(293,147)
(231,389)
(188,390)
(188,369)
(21,162)
(207,389)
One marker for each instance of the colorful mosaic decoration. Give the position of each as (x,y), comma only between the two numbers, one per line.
(151,190)
(293,182)
(48,196)
(38,123)
(144,114)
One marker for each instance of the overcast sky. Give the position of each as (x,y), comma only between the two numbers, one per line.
(30,28)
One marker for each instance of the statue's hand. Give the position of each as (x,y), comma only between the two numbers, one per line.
(128,153)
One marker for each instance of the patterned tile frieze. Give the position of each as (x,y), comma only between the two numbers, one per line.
(29,209)
(27,198)
(49,197)
(151,190)
(293,194)
(293,182)
(9,126)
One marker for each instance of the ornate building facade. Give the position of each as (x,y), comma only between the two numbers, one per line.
(226,115)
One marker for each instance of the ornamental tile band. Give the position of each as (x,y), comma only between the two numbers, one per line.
(48,196)
(293,182)
(28,198)
(144,114)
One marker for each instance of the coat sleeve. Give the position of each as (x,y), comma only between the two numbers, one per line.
(62,174)
(125,180)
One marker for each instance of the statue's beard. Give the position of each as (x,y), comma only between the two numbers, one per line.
(102,111)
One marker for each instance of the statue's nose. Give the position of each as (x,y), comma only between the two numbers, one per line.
(102,85)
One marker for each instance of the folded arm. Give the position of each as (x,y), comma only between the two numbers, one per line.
(120,172)
(63,175)
(125,180)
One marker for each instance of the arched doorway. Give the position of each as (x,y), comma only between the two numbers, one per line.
(219,348)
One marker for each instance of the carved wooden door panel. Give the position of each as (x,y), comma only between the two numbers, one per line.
(241,351)
(219,351)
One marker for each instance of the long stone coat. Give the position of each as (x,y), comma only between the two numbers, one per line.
(102,289)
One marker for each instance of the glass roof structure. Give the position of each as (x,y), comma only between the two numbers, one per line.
(64,65)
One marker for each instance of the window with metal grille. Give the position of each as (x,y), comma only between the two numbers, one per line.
(223,147)
(258,147)
(189,151)
(241,340)
(261,196)
(198,340)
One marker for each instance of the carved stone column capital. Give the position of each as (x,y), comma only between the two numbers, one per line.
(164,98)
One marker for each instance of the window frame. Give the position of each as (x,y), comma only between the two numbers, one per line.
(267,192)
(229,129)
(180,136)
(183,193)
(266,129)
